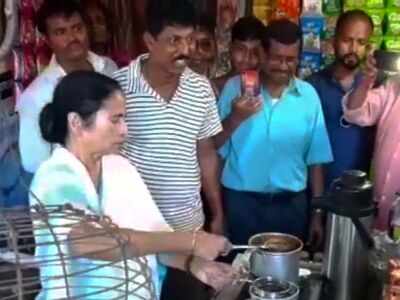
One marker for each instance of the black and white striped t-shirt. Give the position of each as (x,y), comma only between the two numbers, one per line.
(162,140)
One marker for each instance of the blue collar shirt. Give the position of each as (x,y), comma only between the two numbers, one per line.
(352,145)
(271,151)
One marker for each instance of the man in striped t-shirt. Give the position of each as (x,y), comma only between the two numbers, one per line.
(169,142)
(172,118)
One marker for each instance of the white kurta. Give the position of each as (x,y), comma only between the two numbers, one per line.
(124,197)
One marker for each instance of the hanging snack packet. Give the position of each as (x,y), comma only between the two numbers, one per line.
(260,2)
(393,3)
(392,43)
(351,4)
(312,7)
(291,8)
(375,3)
(377,16)
(330,26)
(393,22)
(261,13)
(312,28)
(331,7)
(309,63)
(328,52)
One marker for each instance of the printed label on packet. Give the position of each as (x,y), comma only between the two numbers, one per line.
(250,83)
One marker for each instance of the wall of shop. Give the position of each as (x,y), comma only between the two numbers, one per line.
(318,19)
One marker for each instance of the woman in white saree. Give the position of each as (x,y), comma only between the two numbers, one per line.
(85,122)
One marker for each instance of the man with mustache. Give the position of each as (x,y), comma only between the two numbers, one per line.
(270,153)
(172,118)
(63,24)
(352,145)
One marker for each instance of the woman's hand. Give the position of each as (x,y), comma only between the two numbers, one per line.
(93,240)
(215,274)
(210,246)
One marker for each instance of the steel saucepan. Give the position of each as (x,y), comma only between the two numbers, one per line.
(278,256)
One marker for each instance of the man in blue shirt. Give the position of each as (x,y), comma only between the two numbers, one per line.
(352,145)
(271,144)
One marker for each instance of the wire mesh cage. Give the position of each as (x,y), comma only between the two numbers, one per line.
(36,260)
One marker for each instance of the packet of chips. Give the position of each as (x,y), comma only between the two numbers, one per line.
(374,3)
(312,27)
(327,60)
(392,43)
(328,52)
(331,7)
(393,22)
(330,26)
(377,16)
(291,8)
(392,288)
(277,9)
(312,7)
(309,63)
(262,12)
(350,4)
(393,3)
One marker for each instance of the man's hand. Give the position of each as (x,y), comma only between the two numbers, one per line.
(210,246)
(245,107)
(215,274)
(370,71)
(316,234)
(242,109)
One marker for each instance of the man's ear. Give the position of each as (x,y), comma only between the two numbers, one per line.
(149,40)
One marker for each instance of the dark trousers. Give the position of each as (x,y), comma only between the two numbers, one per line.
(249,213)
(179,285)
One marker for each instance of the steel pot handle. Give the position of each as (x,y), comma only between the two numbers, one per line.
(252,253)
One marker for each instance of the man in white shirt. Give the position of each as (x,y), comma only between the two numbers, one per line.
(63,24)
